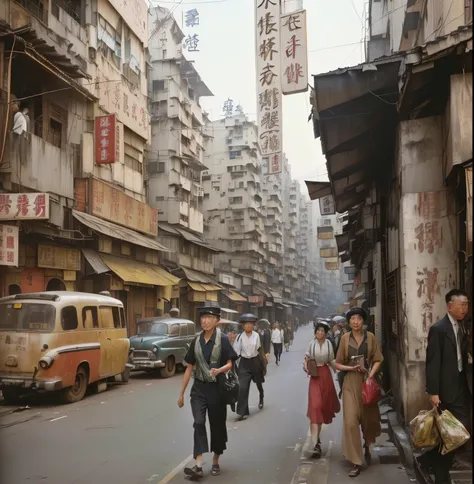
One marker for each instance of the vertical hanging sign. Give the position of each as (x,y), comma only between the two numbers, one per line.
(191,20)
(269,110)
(294,53)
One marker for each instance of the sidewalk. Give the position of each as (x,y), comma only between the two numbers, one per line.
(462,468)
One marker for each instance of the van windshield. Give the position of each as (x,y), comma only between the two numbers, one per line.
(149,327)
(16,316)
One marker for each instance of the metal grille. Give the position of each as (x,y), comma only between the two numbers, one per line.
(141,354)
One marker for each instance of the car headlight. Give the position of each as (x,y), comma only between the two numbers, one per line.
(155,350)
(46,362)
(131,350)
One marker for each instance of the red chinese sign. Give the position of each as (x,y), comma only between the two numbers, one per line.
(24,206)
(9,245)
(107,139)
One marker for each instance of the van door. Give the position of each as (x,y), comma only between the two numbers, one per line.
(120,344)
(106,323)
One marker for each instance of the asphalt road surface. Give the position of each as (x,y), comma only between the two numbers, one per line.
(135,434)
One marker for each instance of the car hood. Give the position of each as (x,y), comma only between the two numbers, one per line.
(145,342)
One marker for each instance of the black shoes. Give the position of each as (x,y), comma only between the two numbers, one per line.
(317,452)
(260,404)
(194,472)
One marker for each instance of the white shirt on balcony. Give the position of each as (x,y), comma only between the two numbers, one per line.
(20,125)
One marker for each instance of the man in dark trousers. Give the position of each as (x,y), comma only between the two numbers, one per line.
(446,382)
(209,355)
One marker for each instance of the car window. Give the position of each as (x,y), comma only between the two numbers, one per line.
(27,317)
(122,315)
(106,317)
(183,329)
(174,331)
(116,315)
(149,327)
(69,318)
(90,317)
(191,329)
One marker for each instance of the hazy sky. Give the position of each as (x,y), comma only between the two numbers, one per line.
(226,63)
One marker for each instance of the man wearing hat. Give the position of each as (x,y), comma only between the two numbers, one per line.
(252,366)
(209,355)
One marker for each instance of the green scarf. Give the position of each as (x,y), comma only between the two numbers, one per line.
(202,370)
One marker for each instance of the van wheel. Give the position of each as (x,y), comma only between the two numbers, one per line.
(11,396)
(78,390)
(170,368)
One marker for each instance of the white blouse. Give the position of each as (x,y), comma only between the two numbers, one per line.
(277,336)
(247,346)
(322,354)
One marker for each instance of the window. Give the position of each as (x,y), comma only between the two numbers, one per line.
(327,222)
(159,86)
(109,41)
(55,133)
(90,317)
(27,317)
(235,154)
(235,200)
(174,331)
(116,315)
(165,53)
(106,317)
(69,318)
(183,330)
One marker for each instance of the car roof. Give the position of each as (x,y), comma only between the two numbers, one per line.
(165,320)
(63,297)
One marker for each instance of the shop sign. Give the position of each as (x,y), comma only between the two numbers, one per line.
(24,206)
(325,253)
(327,205)
(269,95)
(258,300)
(111,204)
(325,233)
(9,245)
(294,49)
(55,257)
(107,140)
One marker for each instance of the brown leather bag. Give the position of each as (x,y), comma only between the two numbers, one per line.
(312,368)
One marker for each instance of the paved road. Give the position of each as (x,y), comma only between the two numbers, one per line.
(135,434)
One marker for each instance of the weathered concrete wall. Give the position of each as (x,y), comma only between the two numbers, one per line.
(427,250)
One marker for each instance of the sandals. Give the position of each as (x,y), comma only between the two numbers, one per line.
(355,471)
(317,452)
(215,470)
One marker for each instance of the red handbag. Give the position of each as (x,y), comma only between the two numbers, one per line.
(370,392)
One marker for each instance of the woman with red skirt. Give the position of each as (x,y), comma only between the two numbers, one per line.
(323,403)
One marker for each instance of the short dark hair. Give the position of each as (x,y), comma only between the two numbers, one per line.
(455,293)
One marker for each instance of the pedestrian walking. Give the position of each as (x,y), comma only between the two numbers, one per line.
(278,339)
(209,355)
(323,404)
(358,355)
(447,360)
(266,337)
(287,337)
(252,364)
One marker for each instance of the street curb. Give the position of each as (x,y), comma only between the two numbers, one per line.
(401,440)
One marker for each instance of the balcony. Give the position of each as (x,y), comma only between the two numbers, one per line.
(38,165)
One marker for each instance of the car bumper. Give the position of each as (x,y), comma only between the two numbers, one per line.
(29,383)
(147,364)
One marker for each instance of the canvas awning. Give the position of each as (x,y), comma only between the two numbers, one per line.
(134,272)
(234,296)
(97,264)
(117,232)
(196,286)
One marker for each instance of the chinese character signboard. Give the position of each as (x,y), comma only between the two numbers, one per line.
(191,20)
(269,101)
(294,53)
(24,206)
(55,257)
(327,206)
(9,245)
(107,140)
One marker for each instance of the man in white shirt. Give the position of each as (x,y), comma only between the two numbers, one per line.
(20,123)
(447,358)
(252,365)
(278,339)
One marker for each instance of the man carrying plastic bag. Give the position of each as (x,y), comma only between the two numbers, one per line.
(446,381)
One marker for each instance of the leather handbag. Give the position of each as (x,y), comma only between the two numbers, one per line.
(229,386)
(312,368)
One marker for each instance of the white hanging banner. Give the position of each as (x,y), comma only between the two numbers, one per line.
(268,55)
(294,53)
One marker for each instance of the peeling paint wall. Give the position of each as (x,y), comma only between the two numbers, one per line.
(427,249)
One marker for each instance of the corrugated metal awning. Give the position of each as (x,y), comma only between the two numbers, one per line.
(134,272)
(200,277)
(93,258)
(117,232)
(262,290)
(196,286)
(277,298)
(318,190)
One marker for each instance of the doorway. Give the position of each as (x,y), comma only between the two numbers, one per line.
(55,285)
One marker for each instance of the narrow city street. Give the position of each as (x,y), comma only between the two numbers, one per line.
(135,434)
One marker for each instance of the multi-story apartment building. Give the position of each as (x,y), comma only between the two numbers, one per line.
(72,167)
(176,159)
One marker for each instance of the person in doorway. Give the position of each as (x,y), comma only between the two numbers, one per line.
(358,355)
(209,355)
(447,360)
(323,404)
(277,341)
(252,365)
(174,312)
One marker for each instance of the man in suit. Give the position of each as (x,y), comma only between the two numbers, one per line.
(446,381)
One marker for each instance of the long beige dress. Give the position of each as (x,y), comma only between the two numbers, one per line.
(356,415)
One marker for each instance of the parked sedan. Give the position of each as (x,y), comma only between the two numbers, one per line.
(161,344)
